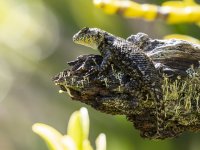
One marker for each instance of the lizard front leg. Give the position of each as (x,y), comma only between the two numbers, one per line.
(106,62)
(107,58)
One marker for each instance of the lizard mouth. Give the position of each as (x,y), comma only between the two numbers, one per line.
(87,41)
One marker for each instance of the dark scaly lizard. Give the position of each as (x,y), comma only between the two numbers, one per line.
(129,58)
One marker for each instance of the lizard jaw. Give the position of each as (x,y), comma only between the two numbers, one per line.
(86,43)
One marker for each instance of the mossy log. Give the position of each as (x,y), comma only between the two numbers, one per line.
(116,93)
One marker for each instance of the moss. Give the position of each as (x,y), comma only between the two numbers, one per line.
(181,97)
(117,93)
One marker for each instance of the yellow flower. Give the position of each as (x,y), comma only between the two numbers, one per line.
(77,134)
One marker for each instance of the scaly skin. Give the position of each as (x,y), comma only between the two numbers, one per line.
(130,59)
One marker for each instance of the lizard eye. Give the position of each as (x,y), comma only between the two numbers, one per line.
(85,29)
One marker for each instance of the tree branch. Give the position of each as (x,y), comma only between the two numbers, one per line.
(114,92)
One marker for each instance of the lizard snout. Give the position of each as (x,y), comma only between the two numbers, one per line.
(75,39)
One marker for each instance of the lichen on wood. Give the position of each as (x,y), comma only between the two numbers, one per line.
(116,93)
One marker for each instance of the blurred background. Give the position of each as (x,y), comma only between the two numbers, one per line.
(35,44)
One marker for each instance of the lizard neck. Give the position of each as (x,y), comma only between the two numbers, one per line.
(106,43)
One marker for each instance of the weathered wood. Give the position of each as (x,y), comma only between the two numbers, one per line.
(115,92)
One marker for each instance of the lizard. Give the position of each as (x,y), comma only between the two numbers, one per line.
(130,58)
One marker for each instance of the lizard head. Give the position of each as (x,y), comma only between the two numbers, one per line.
(90,37)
